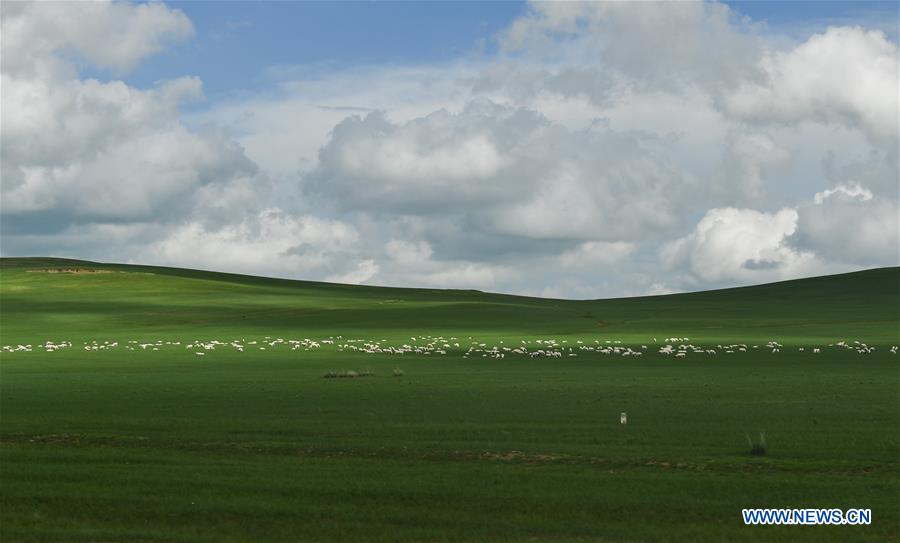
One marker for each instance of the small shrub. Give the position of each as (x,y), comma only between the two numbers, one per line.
(757,448)
(340,374)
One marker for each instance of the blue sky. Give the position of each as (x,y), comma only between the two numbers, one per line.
(555,149)
(796,17)
(237,41)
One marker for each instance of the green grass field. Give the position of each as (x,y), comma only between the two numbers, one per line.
(128,443)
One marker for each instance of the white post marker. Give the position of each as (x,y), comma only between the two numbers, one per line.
(623,417)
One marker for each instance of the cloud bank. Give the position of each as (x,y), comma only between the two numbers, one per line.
(606,149)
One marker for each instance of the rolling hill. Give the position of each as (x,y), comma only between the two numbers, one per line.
(141,403)
(152,300)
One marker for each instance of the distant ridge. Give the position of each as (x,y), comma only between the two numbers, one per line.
(149,300)
(42,262)
(862,280)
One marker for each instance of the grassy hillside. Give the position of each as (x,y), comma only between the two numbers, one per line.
(147,300)
(130,435)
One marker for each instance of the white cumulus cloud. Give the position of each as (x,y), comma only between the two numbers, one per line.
(733,246)
(847,224)
(289,246)
(40,37)
(846,75)
(601,140)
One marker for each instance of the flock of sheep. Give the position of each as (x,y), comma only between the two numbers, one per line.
(678,347)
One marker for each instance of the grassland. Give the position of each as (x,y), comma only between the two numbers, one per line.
(141,445)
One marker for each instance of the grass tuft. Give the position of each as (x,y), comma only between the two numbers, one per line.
(758,448)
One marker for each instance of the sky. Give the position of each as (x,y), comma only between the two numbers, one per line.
(577,150)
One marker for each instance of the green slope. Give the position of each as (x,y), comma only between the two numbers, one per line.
(137,444)
(146,300)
